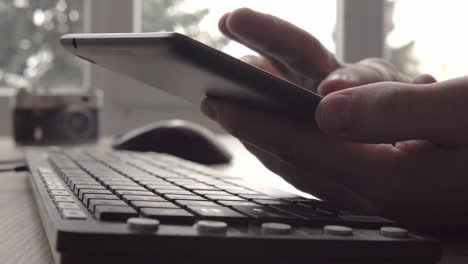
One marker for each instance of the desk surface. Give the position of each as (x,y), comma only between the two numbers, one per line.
(22,239)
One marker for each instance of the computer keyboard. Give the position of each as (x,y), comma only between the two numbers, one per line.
(128,207)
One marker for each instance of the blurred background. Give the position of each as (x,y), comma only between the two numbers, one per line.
(417,36)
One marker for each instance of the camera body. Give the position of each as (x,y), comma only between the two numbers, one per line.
(55,119)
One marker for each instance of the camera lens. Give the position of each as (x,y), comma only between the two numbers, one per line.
(77,123)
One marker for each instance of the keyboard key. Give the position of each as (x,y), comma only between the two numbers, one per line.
(154,198)
(116,183)
(53,182)
(266,214)
(61,198)
(73,214)
(199,187)
(77,175)
(116,180)
(206,180)
(244,191)
(268,201)
(76,188)
(224,197)
(236,203)
(184,197)
(49,179)
(70,180)
(163,191)
(127,188)
(67,205)
(169,215)
(114,213)
(82,181)
(256,196)
(55,187)
(190,202)
(140,193)
(45,170)
(59,192)
(154,170)
(210,192)
(82,192)
(183,181)
(46,177)
(94,202)
(157,183)
(231,188)
(146,204)
(218,213)
(89,196)
(308,213)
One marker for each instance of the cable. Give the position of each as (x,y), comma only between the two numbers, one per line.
(22,167)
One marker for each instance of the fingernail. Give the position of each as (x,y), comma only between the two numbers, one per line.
(334,115)
(209,110)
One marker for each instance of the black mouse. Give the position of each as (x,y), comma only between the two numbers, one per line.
(180,138)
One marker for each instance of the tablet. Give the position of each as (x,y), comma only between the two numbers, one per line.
(191,70)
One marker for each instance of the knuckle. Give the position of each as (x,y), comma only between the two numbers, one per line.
(385,69)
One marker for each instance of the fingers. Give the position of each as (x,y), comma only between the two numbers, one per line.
(263,64)
(279,66)
(302,144)
(390,112)
(364,72)
(279,39)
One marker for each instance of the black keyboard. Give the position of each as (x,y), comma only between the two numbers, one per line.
(126,207)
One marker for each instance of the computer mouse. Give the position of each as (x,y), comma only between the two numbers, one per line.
(180,138)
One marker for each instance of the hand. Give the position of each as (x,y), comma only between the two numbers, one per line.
(293,54)
(349,159)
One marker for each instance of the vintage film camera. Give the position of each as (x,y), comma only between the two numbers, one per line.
(54,118)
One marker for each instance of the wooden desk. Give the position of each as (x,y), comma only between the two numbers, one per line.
(22,239)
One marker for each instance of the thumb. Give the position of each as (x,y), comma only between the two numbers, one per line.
(387,112)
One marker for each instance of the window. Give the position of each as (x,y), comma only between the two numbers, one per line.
(30,54)
(199,19)
(428,37)
(129,103)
